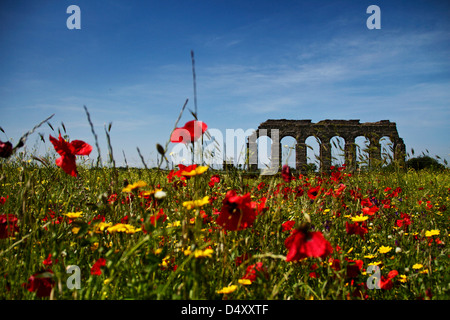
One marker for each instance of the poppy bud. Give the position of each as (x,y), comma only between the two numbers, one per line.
(5,149)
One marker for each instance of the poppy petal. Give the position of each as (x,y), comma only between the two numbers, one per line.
(81,148)
(67,163)
(180,135)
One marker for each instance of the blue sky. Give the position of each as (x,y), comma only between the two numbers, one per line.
(130,64)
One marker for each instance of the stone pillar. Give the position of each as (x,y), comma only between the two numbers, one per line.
(301,156)
(374,152)
(325,154)
(350,153)
(399,151)
(275,153)
(252,152)
(280,152)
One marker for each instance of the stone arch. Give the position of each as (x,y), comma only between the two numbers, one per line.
(313,151)
(362,151)
(288,151)
(337,150)
(387,150)
(264,144)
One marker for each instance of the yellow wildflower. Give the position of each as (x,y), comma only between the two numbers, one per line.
(174,224)
(196,203)
(432,233)
(198,170)
(403,278)
(228,289)
(359,218)
(157,193)
(100,227)
(75,230)
(384,249)
(131,187)
(164,262)
(121,227)
(417,266)
(144,193)
(245,281)
(207,253)
(73,215)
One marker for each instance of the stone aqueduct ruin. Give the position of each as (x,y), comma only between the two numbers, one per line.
(325,130)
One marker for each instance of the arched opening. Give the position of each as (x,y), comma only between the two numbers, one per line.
(387,150)
(337,151)
(362,152)
(288,155)
(313,153)
(264,144)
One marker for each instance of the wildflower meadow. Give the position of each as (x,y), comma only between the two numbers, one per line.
(77,229)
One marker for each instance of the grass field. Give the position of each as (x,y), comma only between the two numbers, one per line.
(197,233)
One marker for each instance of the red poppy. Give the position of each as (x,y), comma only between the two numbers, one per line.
(48,261)
(286,173)
(191,132)
(299,192)
(354,268)
(366,202)
(68,151)
(254,271)
(51,216)
(237,212)
(314,274)
(6,149)
(160,216)
(260,206)
(404,222)
(178,173)
(8,225)
(238,261)
(335,264)
(261,185)
(313,192)
(214,179)
(356,228)
(288,225)
(302,243)
(99,218)
(96,268)
(386,283)
(386,203)
(41,283)
(339,191)
(370,211)
(394,193)
(3,200)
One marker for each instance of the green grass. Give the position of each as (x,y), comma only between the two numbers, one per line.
(156,265)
